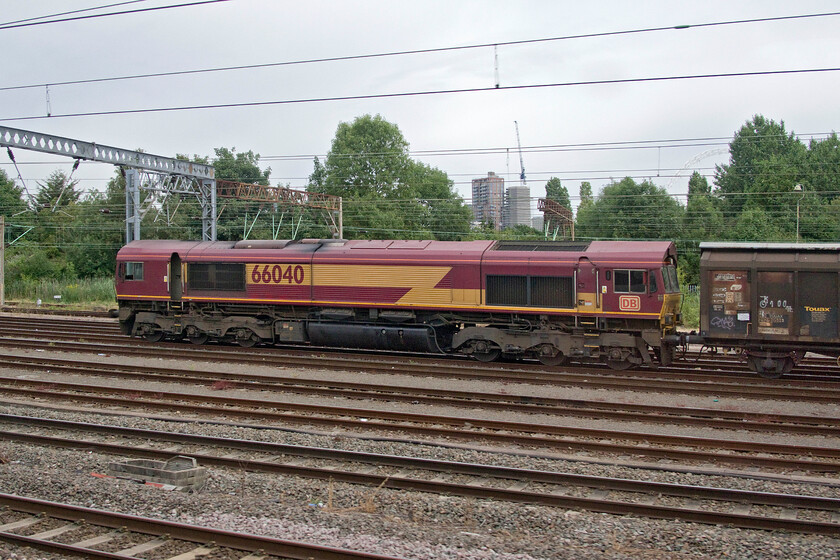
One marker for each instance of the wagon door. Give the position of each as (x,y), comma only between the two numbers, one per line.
(818,305)
(728,311)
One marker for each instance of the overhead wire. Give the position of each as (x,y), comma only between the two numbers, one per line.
(424,93)
(421,51)
(93,16)
(72,12)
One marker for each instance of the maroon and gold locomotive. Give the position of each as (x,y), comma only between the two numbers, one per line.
(615,301)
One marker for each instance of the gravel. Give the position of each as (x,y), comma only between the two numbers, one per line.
(410,524)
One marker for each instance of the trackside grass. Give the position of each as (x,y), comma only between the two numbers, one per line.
(80,291)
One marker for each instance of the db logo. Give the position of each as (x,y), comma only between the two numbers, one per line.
(629,303)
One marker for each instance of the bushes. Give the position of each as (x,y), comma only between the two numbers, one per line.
(34,273)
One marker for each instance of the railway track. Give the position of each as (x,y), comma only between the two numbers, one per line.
(640,380)
(758,455)
(723,506)
(616,411)
(815,372)
(92,533)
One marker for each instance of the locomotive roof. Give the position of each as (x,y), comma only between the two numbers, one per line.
(598,249)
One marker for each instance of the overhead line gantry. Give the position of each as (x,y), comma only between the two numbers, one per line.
(163,176)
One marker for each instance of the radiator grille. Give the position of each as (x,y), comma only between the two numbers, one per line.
(216,277)
(573,246)
(507,290)
(552,291)
(530,291)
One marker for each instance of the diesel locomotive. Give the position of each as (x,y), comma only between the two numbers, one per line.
(613,301)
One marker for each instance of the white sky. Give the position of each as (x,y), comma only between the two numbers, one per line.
(244,32)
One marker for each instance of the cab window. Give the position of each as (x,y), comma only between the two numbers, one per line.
(133,271)
(672,283)
(629,281)
(652,287)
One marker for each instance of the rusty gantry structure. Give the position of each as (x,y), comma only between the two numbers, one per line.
(163,176)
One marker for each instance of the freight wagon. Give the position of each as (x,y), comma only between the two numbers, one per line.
(774,301)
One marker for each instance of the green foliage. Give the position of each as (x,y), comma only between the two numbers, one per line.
(698,186)
(690,309)
(29,262)
(586,197)
(554,190)
(11,196)
(754,224)
(822,168)
(630,210)
(243,167)
(386,193)
(58,193)
(763,158)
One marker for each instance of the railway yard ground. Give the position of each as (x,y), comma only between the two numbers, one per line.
(408,456)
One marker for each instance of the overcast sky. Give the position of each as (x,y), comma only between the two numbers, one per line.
(248,32)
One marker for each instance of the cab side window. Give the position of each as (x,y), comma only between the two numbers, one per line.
(629,281)
(133,271)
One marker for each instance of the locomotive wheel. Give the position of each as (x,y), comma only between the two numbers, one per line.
(154,336)
(485,351)
(551,356)
(491,355)
(248,341)
(619,365)
(198,339)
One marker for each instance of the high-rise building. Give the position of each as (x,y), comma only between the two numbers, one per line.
(518,206)
(488,199)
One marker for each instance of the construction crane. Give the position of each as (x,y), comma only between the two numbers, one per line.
(519,145)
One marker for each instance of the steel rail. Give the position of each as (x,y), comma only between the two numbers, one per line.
(527,434)
(688,366)
(687,369)
(278,548)
(506,372)
(515,493)
(684,416)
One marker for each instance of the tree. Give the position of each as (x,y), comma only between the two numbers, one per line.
(630,210)
(385,192)
(822,167)
(58,192)
(763,159)
(11,196)
(243,167)
(368,157)
(555,191)
(698,186)
(586,193)
(755,224)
